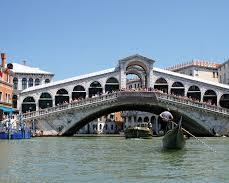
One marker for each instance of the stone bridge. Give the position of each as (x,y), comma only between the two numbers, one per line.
(199,118)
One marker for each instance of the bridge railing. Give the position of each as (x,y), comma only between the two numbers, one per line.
(191,102)
(74,104)
(101,98)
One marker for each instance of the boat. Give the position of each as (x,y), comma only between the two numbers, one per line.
(10,131)
(16,134)
(174,139)
(140,131)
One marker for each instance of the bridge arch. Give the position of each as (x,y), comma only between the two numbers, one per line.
(146,119)
(61,96)
(156,109)
(28,104)
(95,88)
(194,93)
(224,101)
(112,84)
(78,92)
(210,97)
(177,88)
(161,84)
(45,100)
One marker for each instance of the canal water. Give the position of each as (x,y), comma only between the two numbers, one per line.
(112,159)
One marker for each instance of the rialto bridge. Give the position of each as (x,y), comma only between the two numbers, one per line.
(55,95)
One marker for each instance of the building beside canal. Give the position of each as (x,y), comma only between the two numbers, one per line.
(224,73)
(26,76)
(6,83)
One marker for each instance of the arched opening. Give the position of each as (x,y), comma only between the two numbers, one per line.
(161,84)
(139,119)
(45,100)
(78,92)
(14,101)
(210,97)
(133,81)
(47,81)
(146,119)
(194,93)
(28,105)
(15,82)
(24,83)
(30,84)
(37,82)
(136,75)
(95,89)
(177,89)
(61,97)
(112,84)
(224,101)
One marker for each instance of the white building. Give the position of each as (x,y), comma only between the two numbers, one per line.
(26,76)
(102,125)
(224,73)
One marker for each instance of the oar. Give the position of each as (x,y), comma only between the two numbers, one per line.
(196,138)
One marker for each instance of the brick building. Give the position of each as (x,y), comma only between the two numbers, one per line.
(6,86)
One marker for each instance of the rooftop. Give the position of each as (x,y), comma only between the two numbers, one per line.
(20,68)
(198,63)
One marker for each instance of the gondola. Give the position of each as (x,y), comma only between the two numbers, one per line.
(174,139)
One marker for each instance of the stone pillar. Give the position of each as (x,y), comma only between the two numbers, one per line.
(122,76)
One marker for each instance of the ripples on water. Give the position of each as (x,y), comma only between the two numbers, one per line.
(112,159)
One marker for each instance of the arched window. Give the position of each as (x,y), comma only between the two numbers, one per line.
(15,82)
(30,82)
(100,126)
(139,119)
(28,105)
(161,84)
(210,97)
(14,101)
(224,101)
(24,83)
(194,93)
(177,89)
(112,84)
(146,119)
(45,100)
(78,92)
(37,82)
(61,97)
(95,89)
(47,81)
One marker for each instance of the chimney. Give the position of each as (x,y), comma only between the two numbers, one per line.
(3,56)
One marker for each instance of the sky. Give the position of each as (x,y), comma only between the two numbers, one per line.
(73,37)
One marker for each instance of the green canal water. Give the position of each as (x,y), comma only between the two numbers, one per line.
(112,159)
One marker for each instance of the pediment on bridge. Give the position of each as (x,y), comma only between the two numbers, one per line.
(136,59)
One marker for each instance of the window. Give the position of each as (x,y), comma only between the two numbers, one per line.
(30,82)
(112,127)
(24,83)
(47,81)
(100,126)
(8,98)
(0,96)
(15,83)
(190,72)
(37,82)
(196,72)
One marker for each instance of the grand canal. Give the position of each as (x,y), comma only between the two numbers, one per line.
(112,159)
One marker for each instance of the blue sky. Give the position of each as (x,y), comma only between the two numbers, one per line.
(72,37)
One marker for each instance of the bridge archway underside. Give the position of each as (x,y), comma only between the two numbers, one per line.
(198,120)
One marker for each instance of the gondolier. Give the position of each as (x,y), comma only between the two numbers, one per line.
(166,116)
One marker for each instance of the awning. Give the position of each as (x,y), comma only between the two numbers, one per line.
(7,109)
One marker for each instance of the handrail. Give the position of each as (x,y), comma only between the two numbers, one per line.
(115,95)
